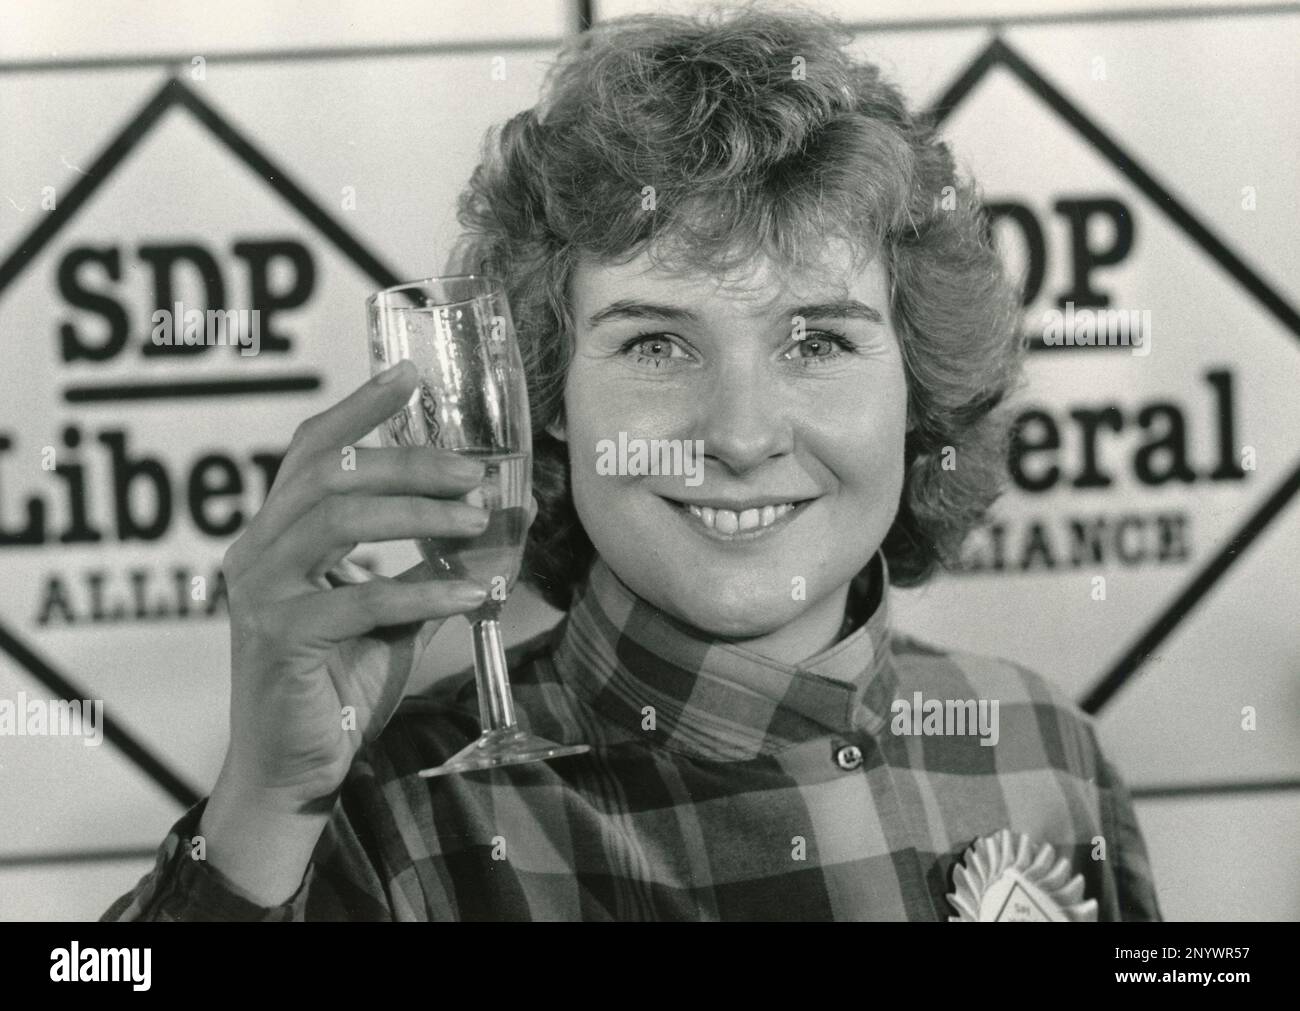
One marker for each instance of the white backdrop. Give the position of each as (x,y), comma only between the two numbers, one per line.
(328,170)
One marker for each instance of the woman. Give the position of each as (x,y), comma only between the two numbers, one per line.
(731,233)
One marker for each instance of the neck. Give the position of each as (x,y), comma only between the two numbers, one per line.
(817,629)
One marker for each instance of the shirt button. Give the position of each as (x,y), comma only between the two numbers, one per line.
(848,757)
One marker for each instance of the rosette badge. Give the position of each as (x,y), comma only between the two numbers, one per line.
(1007,878)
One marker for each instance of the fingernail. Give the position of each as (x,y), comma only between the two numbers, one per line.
(468,468)
(389,374)
(466,593)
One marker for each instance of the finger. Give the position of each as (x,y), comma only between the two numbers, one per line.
(334,526)
(423,572)
(409,470)
(357,414)
(346,572)
(332,616)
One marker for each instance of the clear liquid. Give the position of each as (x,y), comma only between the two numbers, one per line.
(491,559)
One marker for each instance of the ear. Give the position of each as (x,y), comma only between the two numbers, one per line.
(556,430)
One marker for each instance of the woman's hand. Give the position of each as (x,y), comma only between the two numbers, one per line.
(319,665)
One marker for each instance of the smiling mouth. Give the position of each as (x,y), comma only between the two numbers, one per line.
(728,525)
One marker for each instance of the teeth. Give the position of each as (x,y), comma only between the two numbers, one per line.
(726,521)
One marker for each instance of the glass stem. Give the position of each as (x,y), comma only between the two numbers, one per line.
(496,707)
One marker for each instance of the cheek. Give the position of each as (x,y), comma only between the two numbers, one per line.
(856,431)
(599,408)
(592,413)
(582,420)
(600,402)
(861,436)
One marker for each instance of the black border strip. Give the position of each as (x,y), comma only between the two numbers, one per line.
(126,742)
(1140,651)
(275,177)
(1073,17)
(964,83)
(190,388)
(1175,790)
(55,858)
(84,188)
(997,52)
(1164,201)
(585,16)
(172,92)
(287,55)
(175,92)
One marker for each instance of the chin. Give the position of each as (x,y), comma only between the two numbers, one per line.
(730,618)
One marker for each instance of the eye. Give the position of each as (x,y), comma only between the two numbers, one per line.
(820,346)
(654,350)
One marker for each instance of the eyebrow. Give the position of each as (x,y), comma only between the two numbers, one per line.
(632,309)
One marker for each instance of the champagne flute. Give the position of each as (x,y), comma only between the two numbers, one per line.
(472,398)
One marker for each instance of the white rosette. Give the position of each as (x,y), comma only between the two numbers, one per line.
(1005,877)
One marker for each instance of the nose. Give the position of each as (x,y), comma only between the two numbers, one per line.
(744,420)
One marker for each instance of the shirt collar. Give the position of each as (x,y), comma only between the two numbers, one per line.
(717,699)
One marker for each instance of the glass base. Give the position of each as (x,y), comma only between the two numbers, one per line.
(508,746)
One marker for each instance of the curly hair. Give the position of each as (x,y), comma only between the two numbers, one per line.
(757,131)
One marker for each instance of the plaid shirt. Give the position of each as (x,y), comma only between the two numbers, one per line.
(721,785)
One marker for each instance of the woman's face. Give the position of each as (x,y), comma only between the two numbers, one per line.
(758,368)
